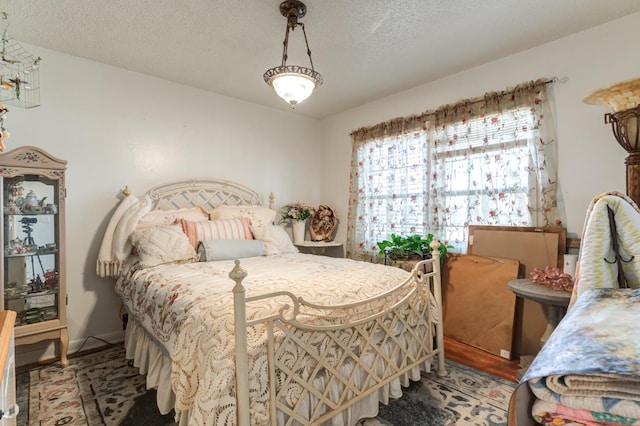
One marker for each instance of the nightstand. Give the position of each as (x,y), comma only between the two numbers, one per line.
(323,248)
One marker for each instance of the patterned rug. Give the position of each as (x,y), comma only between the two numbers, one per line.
(102,388)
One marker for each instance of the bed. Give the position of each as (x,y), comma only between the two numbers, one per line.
(588,372)
(250,331)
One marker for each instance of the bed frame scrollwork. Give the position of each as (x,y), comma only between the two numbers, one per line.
(207,193)
(371,351)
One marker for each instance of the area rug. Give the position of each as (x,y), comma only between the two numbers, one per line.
(103,388)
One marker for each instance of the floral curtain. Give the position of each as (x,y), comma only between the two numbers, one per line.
(484,161)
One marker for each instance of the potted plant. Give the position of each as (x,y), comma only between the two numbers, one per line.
(415,247)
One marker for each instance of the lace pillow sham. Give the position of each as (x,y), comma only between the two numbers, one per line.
(258,215)
(275,239)
(162,244)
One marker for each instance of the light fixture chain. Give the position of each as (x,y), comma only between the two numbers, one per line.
(307,43)
(285,48)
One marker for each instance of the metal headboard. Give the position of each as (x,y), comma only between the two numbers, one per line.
(204,192)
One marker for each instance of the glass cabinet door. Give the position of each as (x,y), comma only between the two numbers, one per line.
(31,259)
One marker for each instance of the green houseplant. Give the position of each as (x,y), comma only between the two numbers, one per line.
(416,246)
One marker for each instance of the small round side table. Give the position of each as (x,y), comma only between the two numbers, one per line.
(555,302)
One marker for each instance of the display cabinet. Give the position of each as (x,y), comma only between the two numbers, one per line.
(33,258)
(8,407)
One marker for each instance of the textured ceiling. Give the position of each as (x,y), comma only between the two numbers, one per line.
(364,49)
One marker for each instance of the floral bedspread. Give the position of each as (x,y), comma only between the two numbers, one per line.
(589,369)
(189,310)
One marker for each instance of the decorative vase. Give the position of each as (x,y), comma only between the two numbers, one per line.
(298,231)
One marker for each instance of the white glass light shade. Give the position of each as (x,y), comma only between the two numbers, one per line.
(293,83)
(293,88)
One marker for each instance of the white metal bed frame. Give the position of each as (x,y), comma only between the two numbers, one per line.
(371,339)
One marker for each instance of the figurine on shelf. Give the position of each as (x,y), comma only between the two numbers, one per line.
(15,199)
(31,202)
(37,285)
(51,278)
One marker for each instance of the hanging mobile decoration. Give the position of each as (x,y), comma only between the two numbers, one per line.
(19,71)
(19,77)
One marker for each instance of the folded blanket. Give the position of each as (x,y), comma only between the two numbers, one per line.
(553,414)
(591,402)
(106,265)
(598,385)
(115,245)
(592,359)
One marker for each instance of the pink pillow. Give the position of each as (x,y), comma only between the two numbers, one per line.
(223,229)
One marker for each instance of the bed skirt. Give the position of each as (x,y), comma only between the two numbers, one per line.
(153,361)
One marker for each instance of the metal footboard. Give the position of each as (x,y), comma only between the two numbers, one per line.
(324,359)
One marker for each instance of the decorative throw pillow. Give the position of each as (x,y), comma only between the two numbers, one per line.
(162,244)
(259,215)
(275,239)
(224,229)
(170,217)
(210,250)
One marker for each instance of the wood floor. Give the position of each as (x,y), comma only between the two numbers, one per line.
(480,360)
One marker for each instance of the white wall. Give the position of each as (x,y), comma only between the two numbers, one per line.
(590,159)
(116,128)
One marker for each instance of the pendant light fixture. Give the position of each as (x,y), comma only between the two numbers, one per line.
(293,83)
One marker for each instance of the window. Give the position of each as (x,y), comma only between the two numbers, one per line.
(477,168)
(484,177)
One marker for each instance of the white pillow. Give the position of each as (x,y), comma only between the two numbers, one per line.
(229,249)
(162,244)
(258,215)
(171,217)
(275,239)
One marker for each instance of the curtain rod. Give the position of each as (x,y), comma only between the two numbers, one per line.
(481,99)
(473,101)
